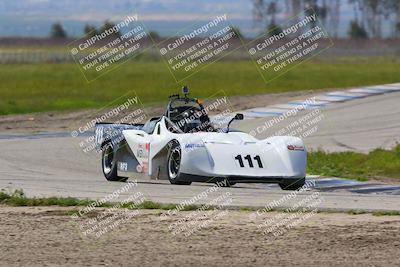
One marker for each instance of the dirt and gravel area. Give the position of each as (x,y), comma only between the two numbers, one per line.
(48,236)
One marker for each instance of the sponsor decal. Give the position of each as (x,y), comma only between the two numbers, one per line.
(123,166)
(143,150)
(193,146)
(294,147)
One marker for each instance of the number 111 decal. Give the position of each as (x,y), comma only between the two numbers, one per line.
(249,160)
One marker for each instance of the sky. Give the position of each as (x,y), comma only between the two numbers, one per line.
(167,17)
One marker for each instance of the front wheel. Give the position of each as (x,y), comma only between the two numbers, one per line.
(109,164)
(292,184)
(174,163)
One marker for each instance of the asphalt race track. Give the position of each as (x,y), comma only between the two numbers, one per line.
(52,164)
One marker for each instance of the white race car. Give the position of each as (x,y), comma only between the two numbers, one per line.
(183,146)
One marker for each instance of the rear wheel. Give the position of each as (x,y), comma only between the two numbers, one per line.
(292,184)
(109,164)
(174,163)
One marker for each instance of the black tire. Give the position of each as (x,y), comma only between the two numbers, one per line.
(173,164)
(292,184)
(109,164)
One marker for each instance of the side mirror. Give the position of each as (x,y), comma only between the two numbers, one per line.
(238,116)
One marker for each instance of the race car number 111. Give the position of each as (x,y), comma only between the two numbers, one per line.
(249,159)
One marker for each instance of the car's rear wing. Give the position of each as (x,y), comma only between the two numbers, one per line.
(106,132)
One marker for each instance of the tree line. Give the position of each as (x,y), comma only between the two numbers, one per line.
(367,21)
(58,32)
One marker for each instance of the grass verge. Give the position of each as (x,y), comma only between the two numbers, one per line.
(379,163)
(18,199)
(27,88)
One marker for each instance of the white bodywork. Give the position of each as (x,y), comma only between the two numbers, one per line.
(217,154)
